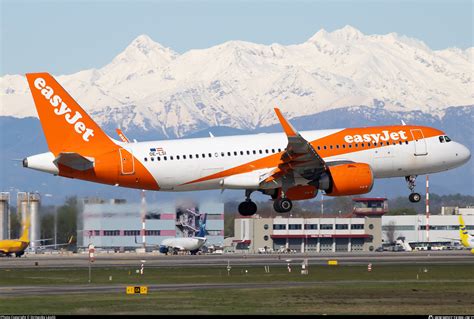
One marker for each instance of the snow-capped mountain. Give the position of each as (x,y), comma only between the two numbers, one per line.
(237,83)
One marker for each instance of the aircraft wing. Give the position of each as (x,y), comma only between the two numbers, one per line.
(122,136)
(299,157)
(74,161)
(57,245)
(455,239)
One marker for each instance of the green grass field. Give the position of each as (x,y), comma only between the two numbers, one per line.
(421,289)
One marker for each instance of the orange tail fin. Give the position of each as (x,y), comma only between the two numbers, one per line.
(67,127)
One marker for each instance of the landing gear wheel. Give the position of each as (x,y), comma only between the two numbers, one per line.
(282,205)
(414,197)
(247,208)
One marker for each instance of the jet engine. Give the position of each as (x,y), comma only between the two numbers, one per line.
(346,179)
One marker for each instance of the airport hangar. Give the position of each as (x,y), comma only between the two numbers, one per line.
(363,230)
(118,225)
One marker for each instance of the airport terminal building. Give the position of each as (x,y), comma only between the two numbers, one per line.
(360,231)
(419,230)
(365,229)
(117,225)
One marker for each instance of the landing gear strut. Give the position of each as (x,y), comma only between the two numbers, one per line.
(247,208)
(414,197)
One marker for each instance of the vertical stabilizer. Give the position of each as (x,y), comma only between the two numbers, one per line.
(25,236)
(463,232)
(66,126)
(202,227)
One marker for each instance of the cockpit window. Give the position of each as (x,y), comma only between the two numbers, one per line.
(447,139)
(441,139)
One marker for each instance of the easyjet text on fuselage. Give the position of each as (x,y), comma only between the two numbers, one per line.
(384,136)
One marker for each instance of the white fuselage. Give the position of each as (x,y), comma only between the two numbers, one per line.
(172,174)
(184,243)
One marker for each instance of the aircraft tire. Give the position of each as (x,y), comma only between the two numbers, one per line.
(414,197)
(282,205)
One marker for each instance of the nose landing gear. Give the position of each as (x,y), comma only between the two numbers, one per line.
(414,197)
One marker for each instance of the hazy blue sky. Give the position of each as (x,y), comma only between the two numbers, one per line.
(65,37)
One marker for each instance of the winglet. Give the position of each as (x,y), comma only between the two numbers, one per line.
(287,127)
(122,136)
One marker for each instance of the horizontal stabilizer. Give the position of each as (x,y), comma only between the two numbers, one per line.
(74,161)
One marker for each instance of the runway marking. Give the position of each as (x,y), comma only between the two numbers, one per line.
(76,289)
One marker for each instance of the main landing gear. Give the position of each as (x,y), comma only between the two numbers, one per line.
(414,197)
(282,205)
(247,208)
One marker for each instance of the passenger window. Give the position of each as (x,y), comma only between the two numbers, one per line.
(406,142)
(146,159)
(260,151)
(325,147)
(356,145)
(273,150)
(222,154)
(350,145)
(330,146)
(254,152)
(165,158)
(337,146)
(361,144)
(241,153)
(197,155)
(210,155)
(171,158)
(184,156)
(319,148)
(266,151)
(368,144)
(228,154)
(279,150)
(177,157)
(343,145)
(152,159)
(235,153)
(248,152)
(190,156)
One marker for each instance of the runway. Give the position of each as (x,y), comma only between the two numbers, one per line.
(88,289)
(159,260)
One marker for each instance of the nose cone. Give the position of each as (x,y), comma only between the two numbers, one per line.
(463,154)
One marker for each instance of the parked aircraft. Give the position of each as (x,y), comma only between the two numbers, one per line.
(286,166)
(17,247)
(467,240)
(191,244)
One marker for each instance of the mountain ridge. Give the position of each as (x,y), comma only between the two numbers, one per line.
(238,83)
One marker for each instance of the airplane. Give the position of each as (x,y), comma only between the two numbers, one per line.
(8,247)
(466,239)
(17,247)
(191,244)
(286,166)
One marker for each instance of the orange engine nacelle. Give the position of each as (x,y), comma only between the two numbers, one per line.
(350,179)
(301,192)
